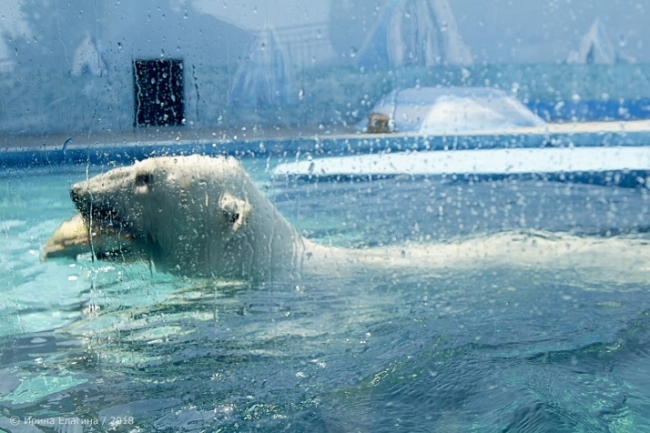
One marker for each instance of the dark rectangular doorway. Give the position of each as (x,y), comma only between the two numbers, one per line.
(158,93)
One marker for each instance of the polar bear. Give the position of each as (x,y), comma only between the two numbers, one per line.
(193,216)
(201,216)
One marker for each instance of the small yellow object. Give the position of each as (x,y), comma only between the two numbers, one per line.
(73,237)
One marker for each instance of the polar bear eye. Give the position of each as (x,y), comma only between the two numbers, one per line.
(231,217)
(143,179)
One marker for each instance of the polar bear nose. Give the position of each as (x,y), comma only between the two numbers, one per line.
(83,198)
(79,196)
(75,192)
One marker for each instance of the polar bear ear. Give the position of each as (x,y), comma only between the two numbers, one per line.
(235,209)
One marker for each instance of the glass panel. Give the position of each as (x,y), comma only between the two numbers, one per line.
(331,215)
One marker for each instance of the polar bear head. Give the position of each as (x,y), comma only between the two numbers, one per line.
(193,215)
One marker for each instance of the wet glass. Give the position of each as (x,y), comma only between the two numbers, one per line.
(442,225)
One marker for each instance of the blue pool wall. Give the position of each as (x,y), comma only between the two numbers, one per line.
(591,111)
(14,159)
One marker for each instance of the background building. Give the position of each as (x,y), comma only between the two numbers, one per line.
(329,60)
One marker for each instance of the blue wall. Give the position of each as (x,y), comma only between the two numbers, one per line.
(624,109)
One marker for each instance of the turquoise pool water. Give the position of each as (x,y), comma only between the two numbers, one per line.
(502,346)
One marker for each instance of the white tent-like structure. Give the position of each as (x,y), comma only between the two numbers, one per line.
(415,33)
(13,26)
(87,59)
(265,77)
(595,47)
(6,63)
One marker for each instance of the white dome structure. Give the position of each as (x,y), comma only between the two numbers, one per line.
(452,110)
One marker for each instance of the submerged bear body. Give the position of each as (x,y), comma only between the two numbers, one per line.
(200,216)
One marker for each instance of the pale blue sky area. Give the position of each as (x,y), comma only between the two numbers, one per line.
(218,31)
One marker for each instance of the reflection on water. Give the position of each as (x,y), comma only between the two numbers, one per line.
(522,345)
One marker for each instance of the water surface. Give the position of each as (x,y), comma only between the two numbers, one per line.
(500,346)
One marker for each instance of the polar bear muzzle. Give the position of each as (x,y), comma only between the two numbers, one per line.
(100,211)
